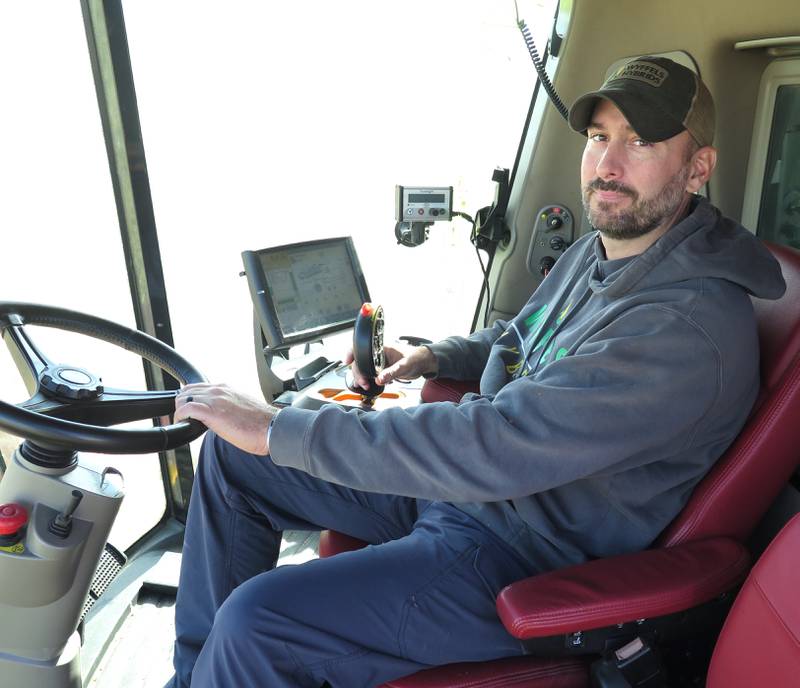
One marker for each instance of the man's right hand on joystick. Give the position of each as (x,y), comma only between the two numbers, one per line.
(405,364)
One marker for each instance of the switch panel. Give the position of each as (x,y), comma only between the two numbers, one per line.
(552,235)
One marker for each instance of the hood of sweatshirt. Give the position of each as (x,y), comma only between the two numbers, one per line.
(703,245)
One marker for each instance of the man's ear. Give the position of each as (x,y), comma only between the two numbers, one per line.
(701,165)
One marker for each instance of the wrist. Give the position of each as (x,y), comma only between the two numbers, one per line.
(431,363)
(271,424)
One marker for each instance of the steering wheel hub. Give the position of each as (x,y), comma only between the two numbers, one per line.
(70,382)
(71,410)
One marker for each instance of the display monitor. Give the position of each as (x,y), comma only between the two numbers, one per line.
(302,292)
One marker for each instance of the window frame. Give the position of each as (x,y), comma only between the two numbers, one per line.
(780,72)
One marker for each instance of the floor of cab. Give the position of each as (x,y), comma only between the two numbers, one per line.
(140,654)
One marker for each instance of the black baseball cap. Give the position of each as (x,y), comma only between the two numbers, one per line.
(659,98)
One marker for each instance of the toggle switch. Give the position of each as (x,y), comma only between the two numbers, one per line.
(61,525)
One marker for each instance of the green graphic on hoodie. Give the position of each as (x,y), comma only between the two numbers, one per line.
(544,344)
(513,353)
(535,321)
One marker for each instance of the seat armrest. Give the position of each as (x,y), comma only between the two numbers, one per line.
(621,589)
(445,389)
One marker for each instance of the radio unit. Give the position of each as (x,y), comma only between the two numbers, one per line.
(423,203)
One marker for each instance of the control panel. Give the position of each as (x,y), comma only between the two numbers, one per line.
(552,235)
(423,203)
(331,387)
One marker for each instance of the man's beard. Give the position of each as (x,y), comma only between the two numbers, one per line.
(642,216)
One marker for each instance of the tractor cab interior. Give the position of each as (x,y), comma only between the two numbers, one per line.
(87,607)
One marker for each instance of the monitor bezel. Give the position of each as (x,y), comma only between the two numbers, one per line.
(263,304)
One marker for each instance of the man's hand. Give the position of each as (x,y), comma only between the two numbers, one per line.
(400,365)
(235,417)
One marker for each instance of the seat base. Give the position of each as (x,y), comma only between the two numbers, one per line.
(512,672)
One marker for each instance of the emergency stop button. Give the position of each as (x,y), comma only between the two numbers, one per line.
(13,518)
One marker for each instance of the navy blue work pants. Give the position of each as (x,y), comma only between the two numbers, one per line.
(423,594)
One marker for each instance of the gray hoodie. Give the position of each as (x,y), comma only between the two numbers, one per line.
(601,404)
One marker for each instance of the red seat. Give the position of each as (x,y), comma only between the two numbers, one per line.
(760,642)
(698,557)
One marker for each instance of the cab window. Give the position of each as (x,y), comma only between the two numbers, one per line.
(283,122)
(61,238)
(779,215)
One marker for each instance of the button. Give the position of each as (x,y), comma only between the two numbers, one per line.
(420,212)
(366,309)
(434,212)
(76,377)
(410,211)
(12,518)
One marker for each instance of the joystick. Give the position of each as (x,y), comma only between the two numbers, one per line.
(368,350)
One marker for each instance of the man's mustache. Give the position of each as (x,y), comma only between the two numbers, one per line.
(610,185)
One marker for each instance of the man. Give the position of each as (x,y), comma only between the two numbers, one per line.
(602,403)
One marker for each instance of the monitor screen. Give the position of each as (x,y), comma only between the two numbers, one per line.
(304,291)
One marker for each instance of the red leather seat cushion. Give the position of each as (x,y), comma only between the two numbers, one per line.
(760,642)
(445,389)
(514,672)
(333,542)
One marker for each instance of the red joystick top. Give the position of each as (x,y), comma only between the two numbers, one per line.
(366,309)
(12,518)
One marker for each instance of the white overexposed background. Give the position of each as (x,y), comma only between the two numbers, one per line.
(264,123)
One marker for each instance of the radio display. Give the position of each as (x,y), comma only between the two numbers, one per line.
(425,198)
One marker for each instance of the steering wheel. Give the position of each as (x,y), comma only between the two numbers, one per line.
(70,409)
(368,349)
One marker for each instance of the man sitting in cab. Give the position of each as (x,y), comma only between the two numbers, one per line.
(622,380)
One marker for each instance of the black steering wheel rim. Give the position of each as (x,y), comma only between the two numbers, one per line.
(56,433)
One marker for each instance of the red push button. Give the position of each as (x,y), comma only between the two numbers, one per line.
(366,309)
(12,518)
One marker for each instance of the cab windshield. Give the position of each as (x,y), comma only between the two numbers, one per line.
(263,124)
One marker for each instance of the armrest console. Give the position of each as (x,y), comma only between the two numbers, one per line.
(621,589)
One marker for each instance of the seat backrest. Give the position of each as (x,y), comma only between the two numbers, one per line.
(737,491)
(760,642)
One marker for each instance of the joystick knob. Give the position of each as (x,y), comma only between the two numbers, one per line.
(368,350)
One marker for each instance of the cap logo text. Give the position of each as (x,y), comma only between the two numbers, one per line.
(648,72)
